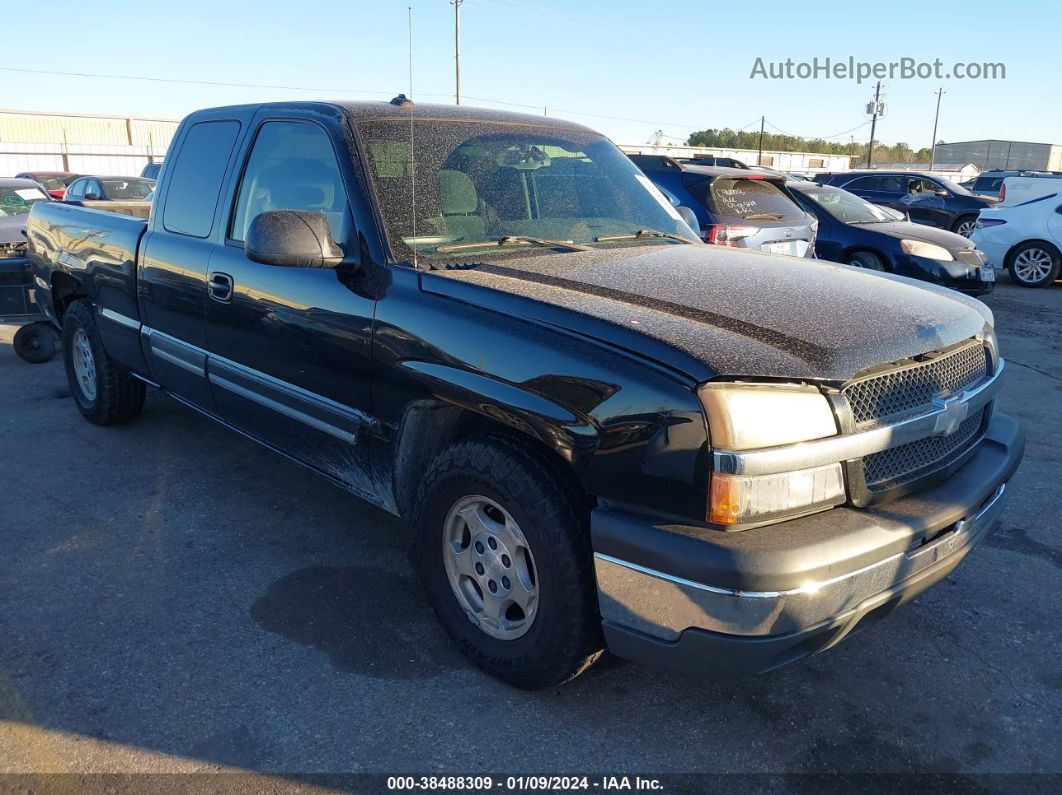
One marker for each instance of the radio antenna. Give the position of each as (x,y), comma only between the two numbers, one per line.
(412,159)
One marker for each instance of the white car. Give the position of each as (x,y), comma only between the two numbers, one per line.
(1025,238)
(1017,190)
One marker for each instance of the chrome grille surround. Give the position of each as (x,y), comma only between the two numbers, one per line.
(912,388)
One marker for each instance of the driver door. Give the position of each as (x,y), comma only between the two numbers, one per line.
(290,346)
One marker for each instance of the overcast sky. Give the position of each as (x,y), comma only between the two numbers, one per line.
(670,66)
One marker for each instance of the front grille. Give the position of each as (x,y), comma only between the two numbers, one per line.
(912,388)
(891,468)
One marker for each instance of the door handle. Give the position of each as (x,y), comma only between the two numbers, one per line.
(219,287)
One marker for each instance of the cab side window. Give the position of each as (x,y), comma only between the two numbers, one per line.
(292,166)
(195,184)
(76,190)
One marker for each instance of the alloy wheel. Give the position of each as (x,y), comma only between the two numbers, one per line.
(84,365)
(1033,265)
(490,567)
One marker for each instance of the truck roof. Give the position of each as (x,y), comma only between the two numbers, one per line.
(367,111)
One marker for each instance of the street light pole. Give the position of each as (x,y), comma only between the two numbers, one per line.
(457,47)
(936,119)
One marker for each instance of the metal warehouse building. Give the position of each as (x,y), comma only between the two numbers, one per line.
(82,143)
(1002,154)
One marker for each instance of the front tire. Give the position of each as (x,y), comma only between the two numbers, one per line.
(104,391)
(503,548)
(1034,264)
(867,260)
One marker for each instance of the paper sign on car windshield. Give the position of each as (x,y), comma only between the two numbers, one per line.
(29,193)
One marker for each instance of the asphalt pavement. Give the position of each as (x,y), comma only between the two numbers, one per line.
(175,598)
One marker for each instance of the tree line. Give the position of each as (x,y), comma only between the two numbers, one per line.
(739,139)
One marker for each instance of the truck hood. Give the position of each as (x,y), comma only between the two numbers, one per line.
(712,312)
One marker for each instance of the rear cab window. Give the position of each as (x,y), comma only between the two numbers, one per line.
(740,198)
(195,181)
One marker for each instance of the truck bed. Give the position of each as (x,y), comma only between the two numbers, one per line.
(81,252)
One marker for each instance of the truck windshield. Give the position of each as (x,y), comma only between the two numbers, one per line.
(466,182)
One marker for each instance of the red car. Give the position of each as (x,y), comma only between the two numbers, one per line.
(54,182)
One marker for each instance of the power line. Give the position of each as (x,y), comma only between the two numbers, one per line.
(388,92)
(195,82)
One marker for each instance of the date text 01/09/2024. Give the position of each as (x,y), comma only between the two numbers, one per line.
(520,783)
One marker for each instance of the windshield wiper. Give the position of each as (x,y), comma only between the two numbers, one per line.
(513,240)
(642,234)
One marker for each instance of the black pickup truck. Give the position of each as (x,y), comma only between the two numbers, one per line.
(606,433)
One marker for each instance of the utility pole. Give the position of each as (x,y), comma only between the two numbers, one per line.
(933,156)
(759,157)
(457,46)
(874,122)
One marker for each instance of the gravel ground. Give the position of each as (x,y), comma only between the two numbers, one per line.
(175,598)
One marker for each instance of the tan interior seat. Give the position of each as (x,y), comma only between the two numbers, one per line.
(459,205)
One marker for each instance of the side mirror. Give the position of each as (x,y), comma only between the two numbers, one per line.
(689,217)
(92,197)
(294,238)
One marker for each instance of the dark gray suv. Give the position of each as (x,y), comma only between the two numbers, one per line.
(734,207)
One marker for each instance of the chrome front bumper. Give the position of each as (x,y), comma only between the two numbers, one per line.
(664,606)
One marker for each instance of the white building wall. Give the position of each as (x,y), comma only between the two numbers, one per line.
(804,162)
(109,145)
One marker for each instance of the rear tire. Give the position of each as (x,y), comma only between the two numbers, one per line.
(104,391)
(964,225)
(36,343)
(867,260)
(532,532)
(1034,264)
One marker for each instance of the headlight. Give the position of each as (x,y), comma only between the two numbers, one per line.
(918,248)
(752,416)
(749,416)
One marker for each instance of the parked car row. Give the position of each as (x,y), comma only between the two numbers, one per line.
(766,211)
(606,433)
(857,232)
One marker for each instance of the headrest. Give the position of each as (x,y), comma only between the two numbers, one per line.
(457,194)
(293,197)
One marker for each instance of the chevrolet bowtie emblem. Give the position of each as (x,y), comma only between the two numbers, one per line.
(952,413)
